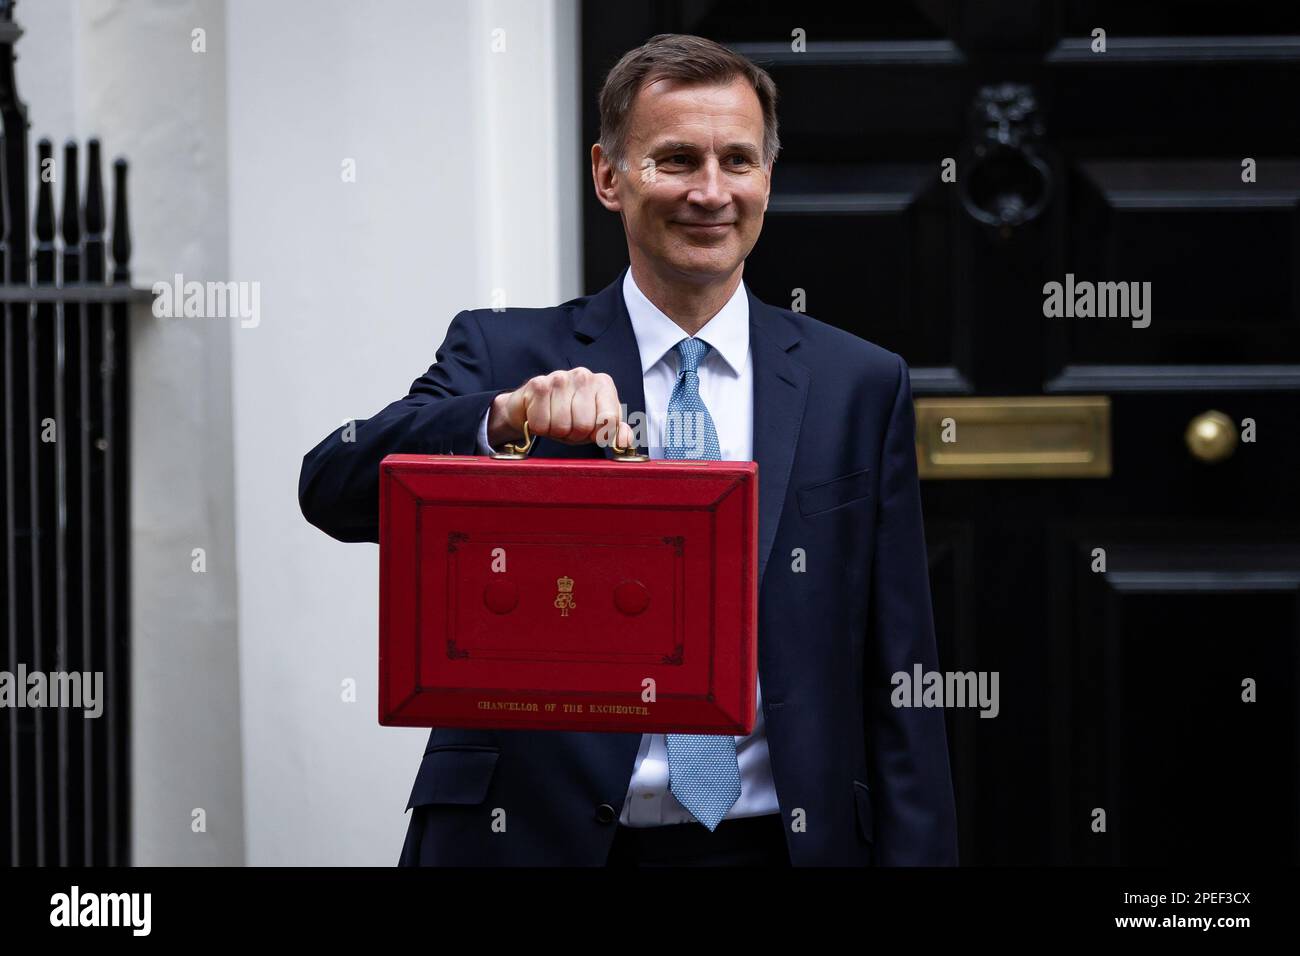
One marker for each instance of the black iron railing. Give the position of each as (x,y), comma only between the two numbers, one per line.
(64,533)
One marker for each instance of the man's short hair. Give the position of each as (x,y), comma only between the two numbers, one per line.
(677,56)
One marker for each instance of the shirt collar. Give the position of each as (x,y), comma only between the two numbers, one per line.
(656,334)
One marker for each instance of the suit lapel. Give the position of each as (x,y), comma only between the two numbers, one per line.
(780,396)
(604,342)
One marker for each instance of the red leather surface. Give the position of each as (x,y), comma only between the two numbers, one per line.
(542,594)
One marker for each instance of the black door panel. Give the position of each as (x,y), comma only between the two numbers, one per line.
(1121,686)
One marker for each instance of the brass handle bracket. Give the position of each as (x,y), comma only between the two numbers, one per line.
(515,452)
(518,452)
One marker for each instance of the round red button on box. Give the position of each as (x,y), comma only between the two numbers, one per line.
(501,596)
(631,597)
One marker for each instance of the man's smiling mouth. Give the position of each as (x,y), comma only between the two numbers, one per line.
(706,228)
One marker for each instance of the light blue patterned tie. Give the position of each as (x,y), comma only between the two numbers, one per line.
(703,773)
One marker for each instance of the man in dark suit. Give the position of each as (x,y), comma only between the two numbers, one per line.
(833,773)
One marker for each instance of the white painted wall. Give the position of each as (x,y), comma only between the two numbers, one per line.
(458,154)
(465,183)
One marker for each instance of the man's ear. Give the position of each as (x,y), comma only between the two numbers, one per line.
(768,194)
(605,178)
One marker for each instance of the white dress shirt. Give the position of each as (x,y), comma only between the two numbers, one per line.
(727,389)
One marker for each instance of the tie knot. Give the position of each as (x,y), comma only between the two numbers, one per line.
(691,352)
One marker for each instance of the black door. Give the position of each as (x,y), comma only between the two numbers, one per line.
(1110,498)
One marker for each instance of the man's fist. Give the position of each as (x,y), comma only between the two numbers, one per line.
(574,407)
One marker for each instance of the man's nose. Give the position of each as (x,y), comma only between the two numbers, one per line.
(710,189)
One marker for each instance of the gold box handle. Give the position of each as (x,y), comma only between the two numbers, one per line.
(514,452)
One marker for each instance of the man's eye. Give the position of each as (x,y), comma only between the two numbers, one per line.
(677,158)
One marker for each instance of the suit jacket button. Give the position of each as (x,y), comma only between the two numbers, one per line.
(605,813)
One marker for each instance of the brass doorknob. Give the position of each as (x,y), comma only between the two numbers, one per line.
(1211,436)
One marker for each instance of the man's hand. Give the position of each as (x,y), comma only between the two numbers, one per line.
(574,407)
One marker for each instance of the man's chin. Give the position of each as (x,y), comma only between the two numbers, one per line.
(705,267)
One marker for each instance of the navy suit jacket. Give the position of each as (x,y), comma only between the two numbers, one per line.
(858,780)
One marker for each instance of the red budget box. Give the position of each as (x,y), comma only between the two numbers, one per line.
(585,595)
